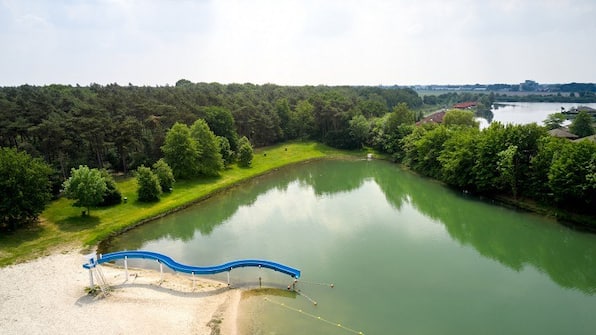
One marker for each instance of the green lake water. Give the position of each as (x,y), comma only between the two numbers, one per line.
(405,254)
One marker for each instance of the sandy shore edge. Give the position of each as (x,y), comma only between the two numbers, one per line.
(49,295)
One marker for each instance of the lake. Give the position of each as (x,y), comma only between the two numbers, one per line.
(405,254)
(527,112)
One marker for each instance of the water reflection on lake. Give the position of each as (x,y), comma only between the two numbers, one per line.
(406,254)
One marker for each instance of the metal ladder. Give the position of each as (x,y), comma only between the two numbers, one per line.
(101,280)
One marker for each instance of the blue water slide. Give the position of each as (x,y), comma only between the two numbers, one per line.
(198,270)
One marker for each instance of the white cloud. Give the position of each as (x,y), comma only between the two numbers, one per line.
(297,42)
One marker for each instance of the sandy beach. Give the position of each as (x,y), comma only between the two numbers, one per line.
(48,296)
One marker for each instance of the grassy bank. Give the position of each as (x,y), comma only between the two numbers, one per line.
(62,224)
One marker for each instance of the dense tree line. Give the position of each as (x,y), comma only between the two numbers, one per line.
(123,127)
(522,161)
(191,130)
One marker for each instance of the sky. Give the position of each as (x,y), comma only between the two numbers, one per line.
(302,42)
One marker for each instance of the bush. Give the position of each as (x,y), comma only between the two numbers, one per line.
(165,175)
(226,151)
(112,195)
(149,188)
(245,152)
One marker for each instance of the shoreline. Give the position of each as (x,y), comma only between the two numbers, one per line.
(56,223)
(48,295)
(103,244)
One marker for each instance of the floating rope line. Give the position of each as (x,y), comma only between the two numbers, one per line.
(335,324)
(307,297)
(315,283)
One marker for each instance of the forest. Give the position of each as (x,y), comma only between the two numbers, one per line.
(121,128)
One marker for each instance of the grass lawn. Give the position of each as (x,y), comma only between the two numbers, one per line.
(62,224)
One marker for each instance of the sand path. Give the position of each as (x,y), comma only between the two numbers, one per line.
(47,296)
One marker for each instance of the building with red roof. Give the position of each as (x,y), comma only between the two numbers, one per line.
(465,105)
(433,118)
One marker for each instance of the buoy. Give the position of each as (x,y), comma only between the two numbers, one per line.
(332,286)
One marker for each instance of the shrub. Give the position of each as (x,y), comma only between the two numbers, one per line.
(149,188)
(245,152)
(112,195)
(165,175)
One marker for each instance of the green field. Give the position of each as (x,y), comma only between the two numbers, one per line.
(62,225)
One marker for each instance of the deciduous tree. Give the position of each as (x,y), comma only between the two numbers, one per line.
(401,115)
(457,117)
(86,186)
(491,141)
(554,121)
(209,161)
(221,123)
(457,158)
(424,150)
(359,129)
(225,150)
(302,121)
(570,174)
(165,175)
(181,151)
(507,168)
(25,187)
(582,125)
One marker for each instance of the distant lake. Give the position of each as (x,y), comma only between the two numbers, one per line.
(527,112)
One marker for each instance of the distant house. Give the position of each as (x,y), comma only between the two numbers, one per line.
(433,118)
(576,110)
(465,105)
(562,133)
(587,138)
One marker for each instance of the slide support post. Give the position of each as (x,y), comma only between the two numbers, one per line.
(160,271)
(91,278)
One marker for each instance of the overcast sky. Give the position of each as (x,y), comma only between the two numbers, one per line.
(368,42)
